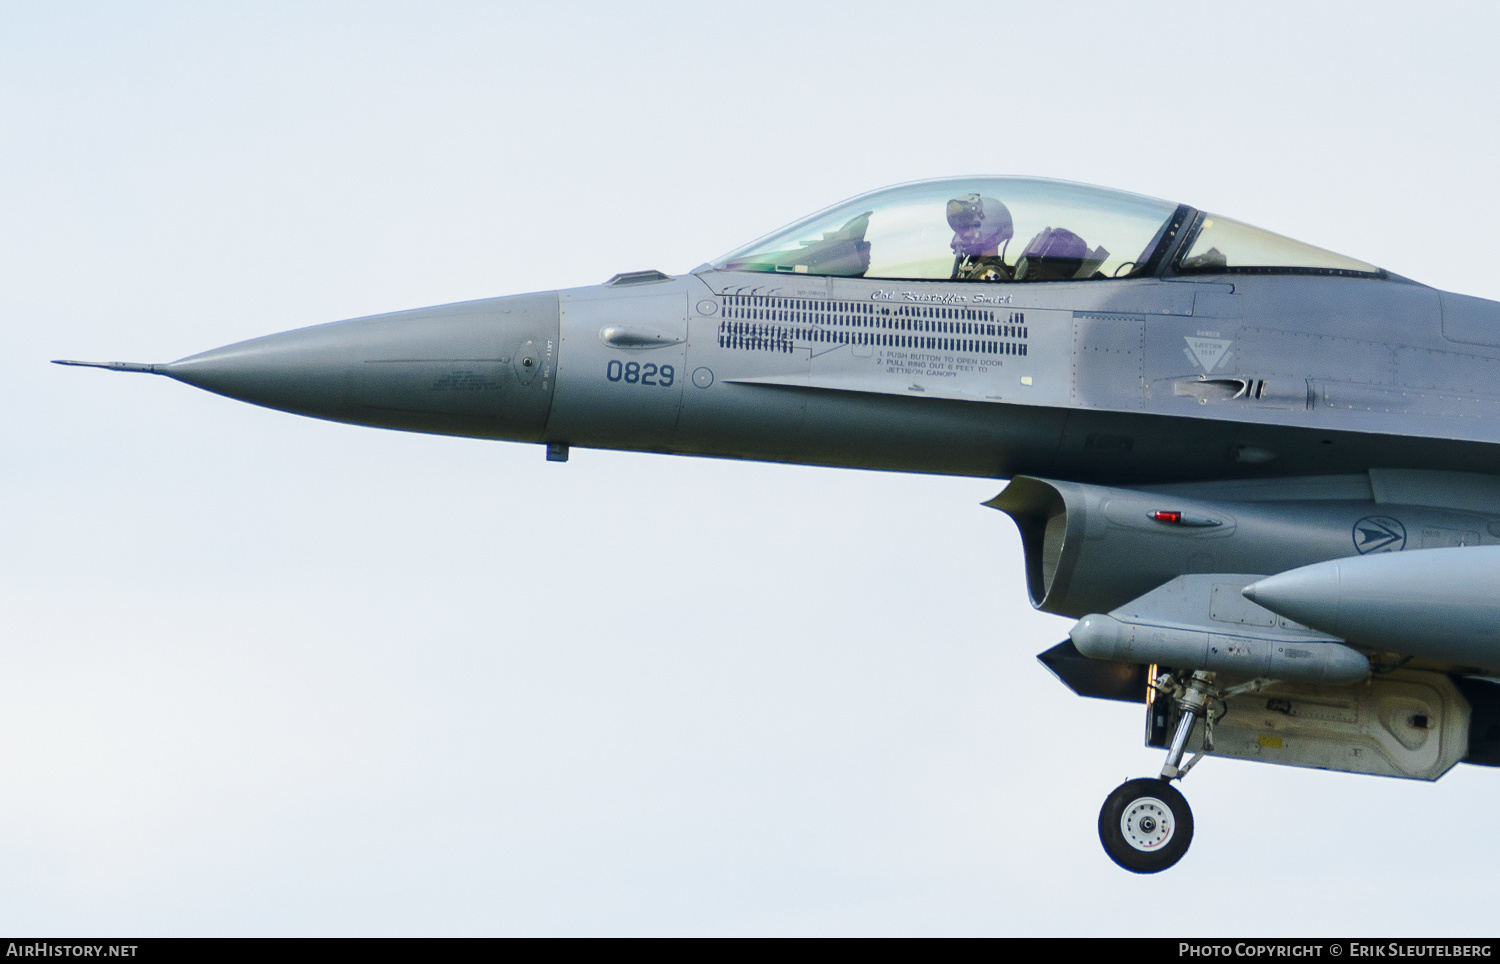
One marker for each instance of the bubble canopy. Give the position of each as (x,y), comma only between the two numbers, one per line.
(970,229)
(1017,229)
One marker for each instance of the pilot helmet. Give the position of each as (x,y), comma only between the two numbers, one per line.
(978,223)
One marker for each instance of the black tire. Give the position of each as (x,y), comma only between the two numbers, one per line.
(1134,827)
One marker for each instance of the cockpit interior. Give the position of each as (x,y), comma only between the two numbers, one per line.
(1019,229)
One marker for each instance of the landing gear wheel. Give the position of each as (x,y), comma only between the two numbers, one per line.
(1145,825)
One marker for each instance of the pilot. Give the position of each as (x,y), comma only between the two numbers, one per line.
(981,225)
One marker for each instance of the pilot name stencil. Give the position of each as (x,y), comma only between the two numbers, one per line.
(939,297)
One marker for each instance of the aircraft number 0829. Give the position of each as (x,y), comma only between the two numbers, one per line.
(635,373)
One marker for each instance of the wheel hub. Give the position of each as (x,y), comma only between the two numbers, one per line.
(1147,824)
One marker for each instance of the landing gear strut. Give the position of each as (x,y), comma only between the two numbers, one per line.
(1146,825)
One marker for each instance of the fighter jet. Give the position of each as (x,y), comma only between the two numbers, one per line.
(1262,476)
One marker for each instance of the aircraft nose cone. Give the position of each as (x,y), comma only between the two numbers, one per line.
(480,368)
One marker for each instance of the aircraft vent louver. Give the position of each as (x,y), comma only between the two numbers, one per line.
(776,324)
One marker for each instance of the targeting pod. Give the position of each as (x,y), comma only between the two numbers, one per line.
(1304,661)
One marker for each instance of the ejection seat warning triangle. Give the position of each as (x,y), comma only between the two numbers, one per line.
(1208,352)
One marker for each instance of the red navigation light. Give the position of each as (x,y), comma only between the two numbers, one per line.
(1165,516)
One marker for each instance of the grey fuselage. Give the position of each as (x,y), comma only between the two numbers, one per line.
(1131,381)
(1201,463)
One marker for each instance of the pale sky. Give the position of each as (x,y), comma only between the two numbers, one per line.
(261,674)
